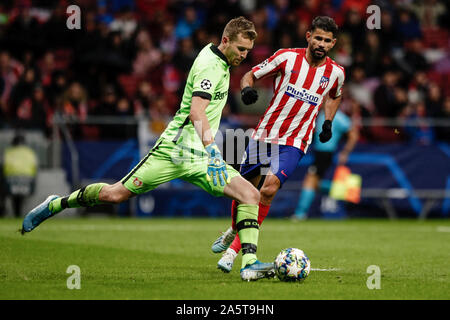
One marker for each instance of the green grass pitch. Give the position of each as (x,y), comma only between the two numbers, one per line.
(171,259)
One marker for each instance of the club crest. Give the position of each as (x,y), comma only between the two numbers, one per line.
(324,82)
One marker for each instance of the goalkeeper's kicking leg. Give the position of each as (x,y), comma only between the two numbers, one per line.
(268,191)
(91,195)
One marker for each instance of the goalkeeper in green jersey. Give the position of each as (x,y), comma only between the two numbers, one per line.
(187,150)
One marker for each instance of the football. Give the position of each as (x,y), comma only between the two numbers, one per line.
(292,264)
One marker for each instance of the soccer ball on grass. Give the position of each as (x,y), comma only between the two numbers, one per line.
(292,264)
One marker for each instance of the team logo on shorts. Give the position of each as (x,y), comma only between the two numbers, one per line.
(206,84)
(137,182)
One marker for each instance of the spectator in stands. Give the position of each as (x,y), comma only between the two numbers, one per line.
(343,50)
(55,31)
(285,26)
(388,33)
(46,67)
(128,130)
(419,133)
(74,101)
(93,41)
(306,11)
(22,90)
(124,23)
(107,106)
(417,87)
(300,34)
(414,59)
(359,90)
(146,40)
(103,16)
(32,112)
(276,12)
(28,59)
(429,12)
(10,71)
(117,57)
(168,41)
(434,100)
(172,80)
(148,56)
(23,32)
(389,99)
(407,25)
(123,107)
(186,26)
(373,51)
(56,88)
(200,38)
(185,56)
(355,27)
(145,97)
(159,115)
(387,63)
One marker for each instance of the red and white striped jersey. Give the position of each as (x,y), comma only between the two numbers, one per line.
(298,95)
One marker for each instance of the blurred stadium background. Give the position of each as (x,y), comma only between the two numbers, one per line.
(90,102)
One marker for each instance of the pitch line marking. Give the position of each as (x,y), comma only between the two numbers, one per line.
(443,229)
(332,269)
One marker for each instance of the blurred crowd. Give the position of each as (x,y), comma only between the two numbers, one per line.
(131,58)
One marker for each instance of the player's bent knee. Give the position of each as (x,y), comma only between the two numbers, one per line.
(269,191)
(250,195)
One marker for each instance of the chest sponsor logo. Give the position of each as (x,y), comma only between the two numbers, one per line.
(303,95)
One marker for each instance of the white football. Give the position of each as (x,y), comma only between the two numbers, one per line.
(292,264)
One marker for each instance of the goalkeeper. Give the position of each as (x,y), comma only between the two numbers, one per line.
(187,150)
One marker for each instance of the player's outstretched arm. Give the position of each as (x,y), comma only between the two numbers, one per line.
(198,118)
(216,165)
(248,94)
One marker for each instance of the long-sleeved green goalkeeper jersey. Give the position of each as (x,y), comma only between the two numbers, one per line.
(208,78)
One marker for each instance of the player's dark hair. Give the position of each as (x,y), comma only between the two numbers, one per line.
(326,24)
(242,26)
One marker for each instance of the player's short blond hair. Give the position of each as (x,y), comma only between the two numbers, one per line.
(241,26)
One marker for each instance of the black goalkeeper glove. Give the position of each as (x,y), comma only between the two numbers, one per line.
(325,135)
(249,95)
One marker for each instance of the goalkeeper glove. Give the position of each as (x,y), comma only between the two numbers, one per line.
(249,95)
(325,135)
(216,165)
